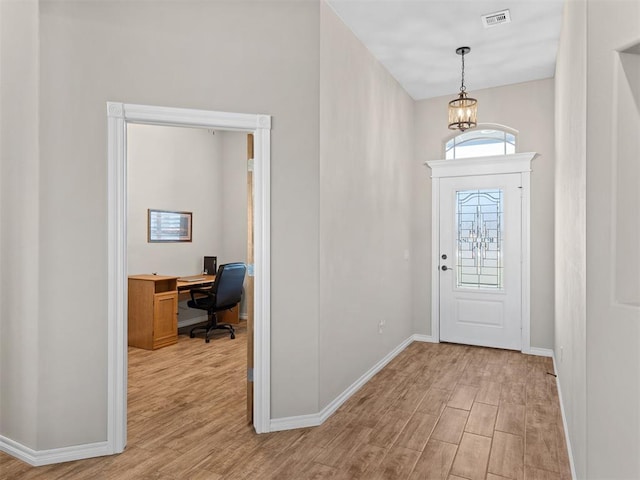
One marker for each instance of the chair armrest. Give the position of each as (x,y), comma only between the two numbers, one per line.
(200,291)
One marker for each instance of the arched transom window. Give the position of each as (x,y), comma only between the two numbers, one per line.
(482,141)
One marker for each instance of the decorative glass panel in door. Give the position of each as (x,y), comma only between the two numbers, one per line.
(479,239)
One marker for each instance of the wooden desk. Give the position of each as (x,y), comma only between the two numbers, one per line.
(153,308)
(153,311)
(195,281)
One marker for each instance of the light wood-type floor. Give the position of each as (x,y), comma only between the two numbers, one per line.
(437,411)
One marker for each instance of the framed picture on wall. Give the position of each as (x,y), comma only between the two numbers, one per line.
(167,226)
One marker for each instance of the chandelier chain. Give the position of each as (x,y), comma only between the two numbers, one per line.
(462,87)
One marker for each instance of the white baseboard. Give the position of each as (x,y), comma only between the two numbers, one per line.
(564,421)
(38,458)
(423,338)
(313,420)
(540,352)
(298,421)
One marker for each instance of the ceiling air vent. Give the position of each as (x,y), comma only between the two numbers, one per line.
(497,18)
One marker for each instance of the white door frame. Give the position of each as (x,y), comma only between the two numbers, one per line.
(466,167)
(118,116)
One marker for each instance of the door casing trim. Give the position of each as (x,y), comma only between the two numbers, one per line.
(118,116)
(467,167)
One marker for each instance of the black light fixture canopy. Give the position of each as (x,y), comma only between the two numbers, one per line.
(463,110)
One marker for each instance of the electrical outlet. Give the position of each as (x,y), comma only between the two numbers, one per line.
(380,325)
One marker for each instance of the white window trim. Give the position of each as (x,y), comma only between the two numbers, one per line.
(482,126)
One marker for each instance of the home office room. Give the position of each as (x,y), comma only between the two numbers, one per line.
(187,217)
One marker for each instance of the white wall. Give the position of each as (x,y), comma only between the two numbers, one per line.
(180,169)
(570,226)
(626,119)
(613,321)
(366,147)
(19,229)
(598,275)
(234,197)
(257,57)
(529,108)
(187,169)
(234,201)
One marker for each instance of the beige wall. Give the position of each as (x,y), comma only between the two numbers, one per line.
(366,141)
(613,322)
(173,168)
(570,226)
(597,313)
(529,108)
(233,189)
(19,228)
(234,200)
(258,57)
(186,169)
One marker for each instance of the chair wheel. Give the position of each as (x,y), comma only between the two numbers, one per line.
(192,335)
(233,335)
(207,340)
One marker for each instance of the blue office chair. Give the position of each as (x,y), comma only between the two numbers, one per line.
(225,294)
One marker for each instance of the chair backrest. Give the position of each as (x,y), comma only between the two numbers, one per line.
(228,284)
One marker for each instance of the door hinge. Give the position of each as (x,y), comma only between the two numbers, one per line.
(250,374)
(250,165)
(251,269)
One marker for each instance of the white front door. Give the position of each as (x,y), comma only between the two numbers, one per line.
(480,260)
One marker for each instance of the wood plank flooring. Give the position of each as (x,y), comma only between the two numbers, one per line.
(437,411)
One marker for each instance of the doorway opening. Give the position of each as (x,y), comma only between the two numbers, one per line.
(201,176)
(119,116)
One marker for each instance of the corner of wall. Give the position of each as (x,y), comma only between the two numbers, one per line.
(570,228)
(20,208)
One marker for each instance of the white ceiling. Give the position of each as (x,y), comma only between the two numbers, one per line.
(416,41)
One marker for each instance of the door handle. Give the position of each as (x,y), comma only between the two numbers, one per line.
(444,268)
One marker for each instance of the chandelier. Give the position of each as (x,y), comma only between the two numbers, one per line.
(463,110)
